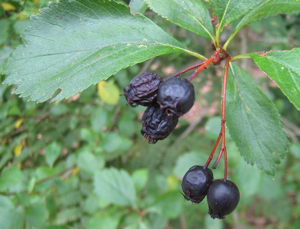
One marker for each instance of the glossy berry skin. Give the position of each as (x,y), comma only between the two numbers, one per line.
(176,96)
(142,90)
(222,198)
(196,182)
(156,125)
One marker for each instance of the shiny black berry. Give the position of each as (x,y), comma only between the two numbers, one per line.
(222,198)
(142,90)
(196,182)
(156,125)
(176,96)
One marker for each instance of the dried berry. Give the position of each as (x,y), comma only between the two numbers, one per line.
(196,182)
(176,96)
(156,125)
(142,90)
(222,198)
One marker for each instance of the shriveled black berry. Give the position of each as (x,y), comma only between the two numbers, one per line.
(196,182)
(176,96)
(142,90)
(156,125)
(222,198)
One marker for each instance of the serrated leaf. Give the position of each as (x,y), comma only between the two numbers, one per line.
(229,11)
(191,15)
(253,122)
(108,92)
(140,178)
(108,222)
(36,214)
(73,44)
(284,68)
(52,152)
(115,186)
(268,8)
(137,6)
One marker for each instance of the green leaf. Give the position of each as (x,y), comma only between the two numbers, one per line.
(295,149)
(36,214)
(74,44)
(52,152)
(137,6)
(88,162)
(268,8)
(99,119)
(115,186)
(140,178)
(253,122)
(191,15)
(168,205)
(10,178)
(229,11)
(107,222)
(9,216)
(284,68)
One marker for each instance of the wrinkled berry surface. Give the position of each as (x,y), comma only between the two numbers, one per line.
(156,125)
(176,96)
(222,198)
(142,90)
(196,182)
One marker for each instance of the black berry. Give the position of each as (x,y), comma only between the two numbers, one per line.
(176,96)
(222,198)
(156,125)
(196,182)
(142,90)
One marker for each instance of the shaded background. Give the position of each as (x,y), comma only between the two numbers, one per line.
(50,153)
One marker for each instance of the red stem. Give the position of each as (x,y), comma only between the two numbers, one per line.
(204,65)
(184,70)
(212,152)
(223,147)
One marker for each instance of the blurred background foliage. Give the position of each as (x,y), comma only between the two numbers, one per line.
(82,163)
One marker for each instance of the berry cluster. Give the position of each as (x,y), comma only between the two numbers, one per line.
(166,100)
(222,195)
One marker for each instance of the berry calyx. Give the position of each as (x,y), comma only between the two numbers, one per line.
(196,182)
(142,90)
(222,198)
(176,96)
(155,125)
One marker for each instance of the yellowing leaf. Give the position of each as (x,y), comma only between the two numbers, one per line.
(36,1)
(22,16)
(18,123)
(108,92)
(172,182)
(75,171)
(18,150)
(7,6)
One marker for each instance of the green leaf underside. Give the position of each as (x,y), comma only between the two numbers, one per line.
(229,11)
(73,44)
(189,14)
(254,122)
(284,68)
(137,6)
(268,8)
(115,186)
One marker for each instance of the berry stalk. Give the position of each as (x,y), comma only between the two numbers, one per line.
(185,70)
(205,65)
(223,147)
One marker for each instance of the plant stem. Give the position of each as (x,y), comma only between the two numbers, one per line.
(229,40)
(212,152)
(223,147)
(204,65)
(243,56)
(184,70)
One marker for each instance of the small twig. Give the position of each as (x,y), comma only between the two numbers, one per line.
(184,70)
(290,125)
(193,124)
(146,65)
(292,134)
